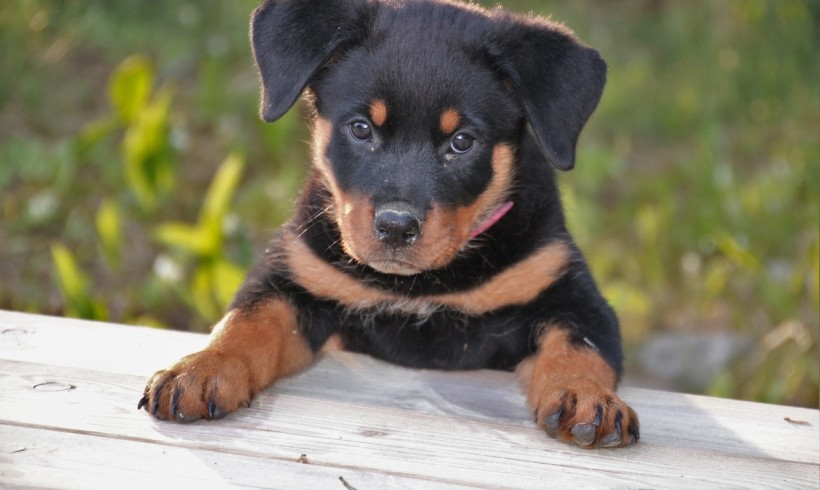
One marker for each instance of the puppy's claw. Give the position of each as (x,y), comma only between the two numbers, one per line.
(187,419)
(215,412)
(175,402)
(553,422)
(599,414)
(613,439)
(587,415)
(634,432)
(584,433)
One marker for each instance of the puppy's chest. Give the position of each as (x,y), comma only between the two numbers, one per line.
(441,339)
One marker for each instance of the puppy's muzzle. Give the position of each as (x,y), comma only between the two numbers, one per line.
(396,225)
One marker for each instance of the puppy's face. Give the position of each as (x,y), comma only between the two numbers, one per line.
(417,145)
(420,105)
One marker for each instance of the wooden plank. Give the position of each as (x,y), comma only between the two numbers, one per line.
(480,395)
(40,458)
(350,411)
(92,345)
(347,433)
(278,427)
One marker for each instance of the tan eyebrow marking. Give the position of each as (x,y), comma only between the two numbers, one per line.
(449,121)
(378,112)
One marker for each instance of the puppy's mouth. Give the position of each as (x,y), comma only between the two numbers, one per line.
(393,265)
(396,267)
(397,240)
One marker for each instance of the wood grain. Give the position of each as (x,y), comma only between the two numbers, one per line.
(43,457)
(68,419)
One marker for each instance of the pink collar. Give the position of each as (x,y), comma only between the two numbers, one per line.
(492,219)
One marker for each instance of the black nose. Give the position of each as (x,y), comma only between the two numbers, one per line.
(396,227)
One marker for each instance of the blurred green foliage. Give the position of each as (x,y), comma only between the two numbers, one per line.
(124,192)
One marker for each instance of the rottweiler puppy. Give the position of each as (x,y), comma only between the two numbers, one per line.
(430,231)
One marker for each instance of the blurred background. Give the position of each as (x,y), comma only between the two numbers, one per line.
(137,182)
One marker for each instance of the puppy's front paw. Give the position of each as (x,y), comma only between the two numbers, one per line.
(582,412)
(207,384)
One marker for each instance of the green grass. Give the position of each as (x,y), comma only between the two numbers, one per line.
(696,197)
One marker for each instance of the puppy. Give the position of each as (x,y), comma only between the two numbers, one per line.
(430,232)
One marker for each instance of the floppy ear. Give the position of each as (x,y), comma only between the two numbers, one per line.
(291,40)
(559,80)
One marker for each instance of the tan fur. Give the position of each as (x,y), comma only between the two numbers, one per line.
(378,112)
(333,344)
(354,216)
(496,193)
(325,281)
(519,284)
(449,121)
(268,338)
(577,378)
(322,129)
(248,350)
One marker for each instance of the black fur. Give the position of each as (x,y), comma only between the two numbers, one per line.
(524,82)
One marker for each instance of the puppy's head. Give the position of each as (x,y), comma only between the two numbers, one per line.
(419,107)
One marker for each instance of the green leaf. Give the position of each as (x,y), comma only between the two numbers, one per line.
(213,286)
(92,133)
(186,237)
(108,222)
(739,254)
(73,286)
(221,191)
(205,239)
(149,158)
(218,199)
(202,294)
(130,87)
(225,280)
(70,280)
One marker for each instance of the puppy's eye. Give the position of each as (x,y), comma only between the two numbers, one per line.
(462,143)
(361,130)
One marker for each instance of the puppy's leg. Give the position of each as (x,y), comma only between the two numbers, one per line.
(249,349)
(571,389)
